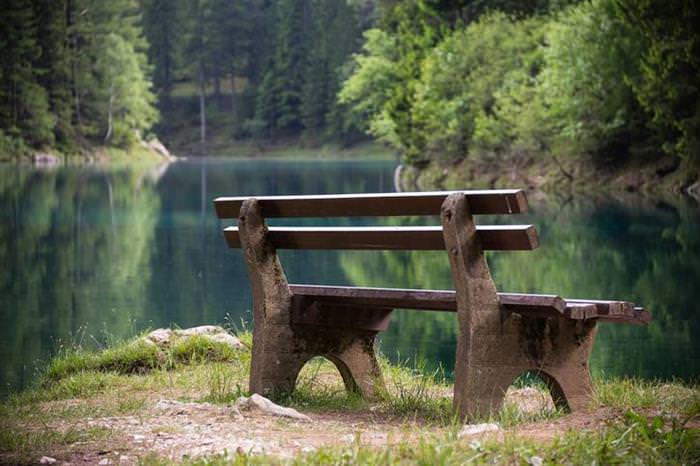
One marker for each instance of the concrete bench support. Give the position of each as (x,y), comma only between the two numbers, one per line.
(493,348)
(284,337)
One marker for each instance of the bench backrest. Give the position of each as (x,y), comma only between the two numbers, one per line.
(492,237)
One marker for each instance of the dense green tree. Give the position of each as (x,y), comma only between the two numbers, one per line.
(51,33)
(455,100)
(667,85)
(110,70)
(320,110)
(162,21)
(24,103)
(73,72)
(280,95)
(589,62)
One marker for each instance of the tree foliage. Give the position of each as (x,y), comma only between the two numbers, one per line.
(73,71)
(440,80)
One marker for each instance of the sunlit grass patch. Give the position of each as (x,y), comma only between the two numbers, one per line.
(632,393)
(137,356)
(198,348)
(320,386)
(134,356)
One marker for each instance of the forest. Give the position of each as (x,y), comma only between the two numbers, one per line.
(437,80)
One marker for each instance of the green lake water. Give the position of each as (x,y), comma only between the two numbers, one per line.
(91,255)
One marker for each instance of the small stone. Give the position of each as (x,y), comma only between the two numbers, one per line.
(47,460)
(105,461)
(138,437)
(475,429)
(535,461)
(261,403)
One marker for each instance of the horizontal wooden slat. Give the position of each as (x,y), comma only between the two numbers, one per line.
(434,300)
(494,238)
(534,305)
(493,201)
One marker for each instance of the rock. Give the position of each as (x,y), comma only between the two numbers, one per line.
(105,461)
(536,460)
(160,337)
(261,403)
(475,429)
(47,460)
(158,147)
(41,158)
(163,337)
(694,190)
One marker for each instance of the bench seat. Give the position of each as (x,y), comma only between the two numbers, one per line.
(533,305)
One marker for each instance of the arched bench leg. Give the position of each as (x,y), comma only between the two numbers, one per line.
(493,348)
(287,332)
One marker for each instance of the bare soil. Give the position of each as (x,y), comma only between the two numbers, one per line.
(175,430)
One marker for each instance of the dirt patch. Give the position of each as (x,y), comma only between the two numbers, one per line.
(175,430)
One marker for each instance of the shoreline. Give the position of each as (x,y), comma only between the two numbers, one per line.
(658,177)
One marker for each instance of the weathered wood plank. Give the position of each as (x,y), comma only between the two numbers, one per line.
(534,305)
(492,201)
(495,238)
(433,300)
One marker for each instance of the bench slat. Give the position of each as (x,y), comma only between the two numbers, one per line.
(535,305)
(494,238)
(492,201)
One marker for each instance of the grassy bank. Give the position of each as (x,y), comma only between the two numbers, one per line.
(90,406)
(219,146)
(570,173)
(137,153)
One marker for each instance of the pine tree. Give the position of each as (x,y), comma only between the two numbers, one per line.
(280,96)
(163,26)
(24,103)
(52,36)
(103,37)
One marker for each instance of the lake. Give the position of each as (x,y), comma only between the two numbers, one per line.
(94,255)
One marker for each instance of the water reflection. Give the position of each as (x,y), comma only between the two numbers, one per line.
(115,251)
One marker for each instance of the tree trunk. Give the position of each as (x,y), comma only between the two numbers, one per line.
(202,111)
(234,107)
(217,91)
(109,112)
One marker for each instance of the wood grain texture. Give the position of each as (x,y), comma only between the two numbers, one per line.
(492,201)
(532,305)
(494,238)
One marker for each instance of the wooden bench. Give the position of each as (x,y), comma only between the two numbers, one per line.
(501,335)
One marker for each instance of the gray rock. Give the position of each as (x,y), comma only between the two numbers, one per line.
(158,147)
(164,337)
(42,158)
(476,429)
(694,190)
(260,403)
(47,460)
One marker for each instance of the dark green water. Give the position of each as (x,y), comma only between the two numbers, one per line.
(90,255)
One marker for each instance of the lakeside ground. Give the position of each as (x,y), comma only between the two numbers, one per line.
(133,404)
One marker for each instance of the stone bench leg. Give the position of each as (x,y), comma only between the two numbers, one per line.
(287,333)
(494,348)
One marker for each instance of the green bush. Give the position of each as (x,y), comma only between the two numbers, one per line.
(461,79)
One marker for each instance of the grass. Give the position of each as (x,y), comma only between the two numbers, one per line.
(654,422)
